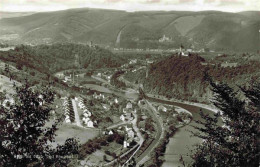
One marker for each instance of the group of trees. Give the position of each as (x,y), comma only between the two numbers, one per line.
(57,57)
(233,141)
(25,139)
(115,81)
(149,125)
(95,144)
(230,137)
(183,77)
(157,155)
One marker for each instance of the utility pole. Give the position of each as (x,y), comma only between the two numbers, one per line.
(147,70)
(73,76)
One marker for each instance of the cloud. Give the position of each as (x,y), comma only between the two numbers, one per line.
(153,1)
(130,5)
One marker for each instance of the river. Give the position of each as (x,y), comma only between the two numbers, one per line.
(127,95)
(182,142)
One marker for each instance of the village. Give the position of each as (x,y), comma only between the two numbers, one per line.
(113,123)
(129,83)
(113,128)
(121,128)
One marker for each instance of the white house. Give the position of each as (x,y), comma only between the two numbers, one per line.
(67,108)
(164,39)
(127,129)
(134,61)
(86,115)
(85,120)
(126,144)
(130,133)
(90,124)
(82,106)
(60,75)
(149,61)
(189,50)
(109,77)
(89,113)
(52,112)
(129,105)
(67,78)
(98,96)
(122,117)
(67,119)
(110,132)
(141,102)
(105,106)
(162,108)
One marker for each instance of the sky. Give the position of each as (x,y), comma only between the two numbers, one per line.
(130,5)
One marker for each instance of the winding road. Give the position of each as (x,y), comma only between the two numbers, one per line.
(182,142)
(159,134)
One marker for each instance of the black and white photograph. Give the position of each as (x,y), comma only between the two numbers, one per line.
(129,83)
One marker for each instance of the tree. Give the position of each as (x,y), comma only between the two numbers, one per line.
(233,141)
(132,163)
(25,139)
(19,65)
(7,69)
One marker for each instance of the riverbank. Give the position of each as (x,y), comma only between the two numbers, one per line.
(201,105)
(182,142)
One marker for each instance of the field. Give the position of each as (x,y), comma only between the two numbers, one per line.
(7,85)
(72,131)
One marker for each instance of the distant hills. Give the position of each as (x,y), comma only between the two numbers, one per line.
(208,29)
(14,14)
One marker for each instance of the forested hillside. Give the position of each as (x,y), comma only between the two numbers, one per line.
(208,29)
(184,77)
(52,58)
